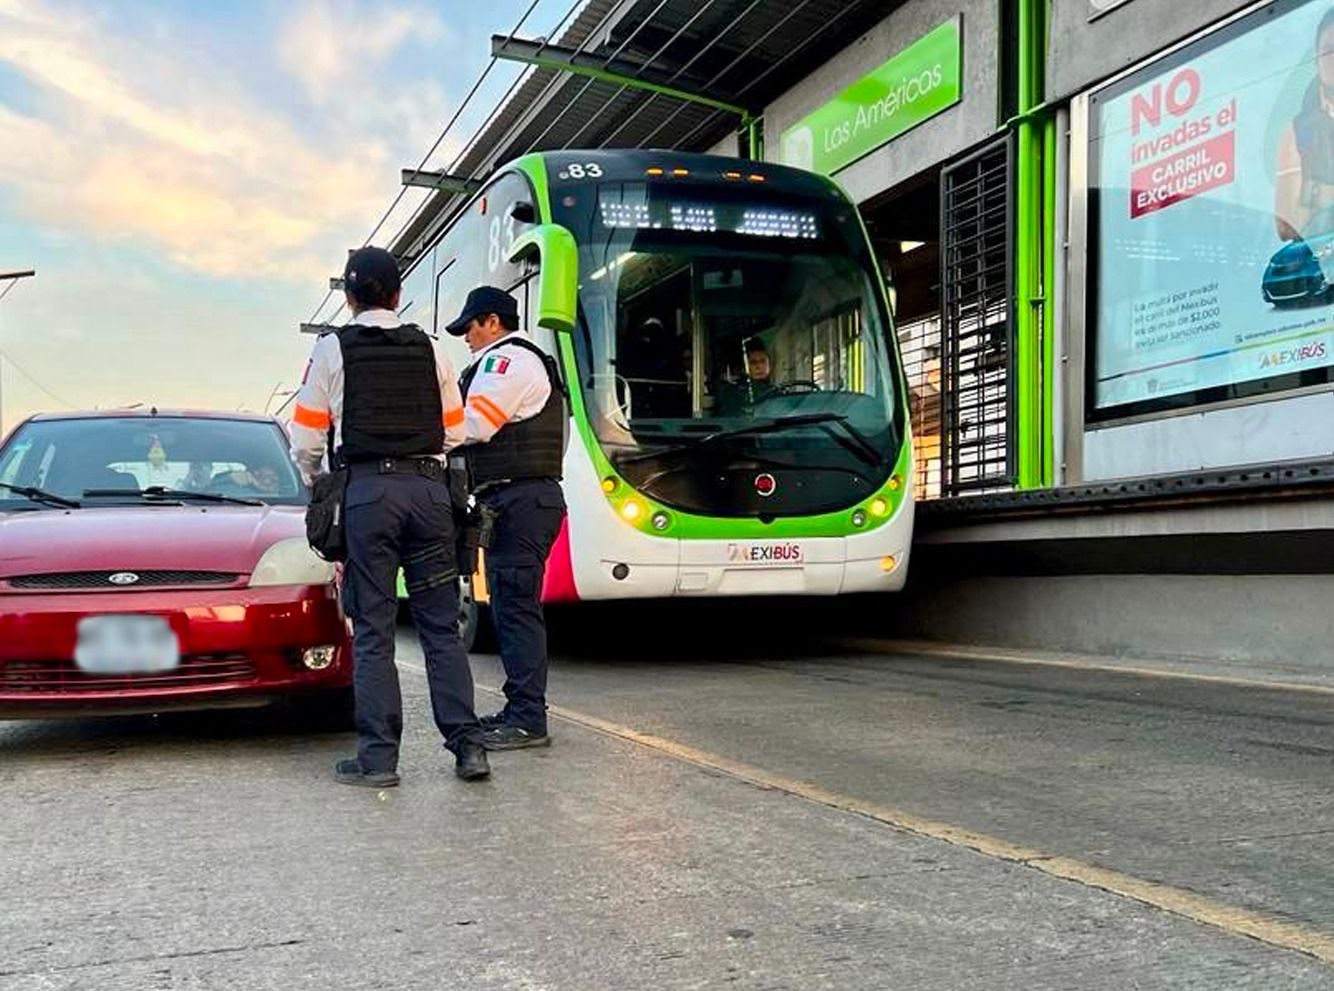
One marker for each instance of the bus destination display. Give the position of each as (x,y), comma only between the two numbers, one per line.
(633,208)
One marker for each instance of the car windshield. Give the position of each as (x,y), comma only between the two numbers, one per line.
(107,460)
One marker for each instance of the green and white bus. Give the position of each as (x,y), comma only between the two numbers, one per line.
(664,284)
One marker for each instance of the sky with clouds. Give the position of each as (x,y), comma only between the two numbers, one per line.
(185,177)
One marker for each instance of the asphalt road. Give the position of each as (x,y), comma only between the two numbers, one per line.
(725,805)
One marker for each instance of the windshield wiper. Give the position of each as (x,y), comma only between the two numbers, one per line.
(857,442)
(161,492)
(41,495)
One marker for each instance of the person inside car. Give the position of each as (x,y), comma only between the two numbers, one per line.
(262,480)
(199,477)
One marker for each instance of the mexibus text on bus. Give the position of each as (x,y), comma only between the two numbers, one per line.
(738,412)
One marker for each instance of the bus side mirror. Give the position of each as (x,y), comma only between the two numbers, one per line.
(557,276)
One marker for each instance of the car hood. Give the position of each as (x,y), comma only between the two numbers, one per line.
(1296,252)
(195,538)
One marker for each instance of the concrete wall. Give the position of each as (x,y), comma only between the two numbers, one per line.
(970,121)
(1254,619)
(1246,580)
(1083,52)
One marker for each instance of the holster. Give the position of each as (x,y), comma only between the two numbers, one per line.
(325,524)
(465,531)
(474,534)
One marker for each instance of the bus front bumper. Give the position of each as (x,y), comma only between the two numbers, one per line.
(658,568)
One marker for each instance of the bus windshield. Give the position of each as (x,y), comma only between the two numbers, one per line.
(735,326)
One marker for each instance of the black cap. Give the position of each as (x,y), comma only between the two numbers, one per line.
(480,302)
(371,275)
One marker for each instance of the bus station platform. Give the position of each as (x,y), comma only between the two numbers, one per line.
(750,808)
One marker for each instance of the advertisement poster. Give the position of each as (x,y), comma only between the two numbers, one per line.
(1213,218)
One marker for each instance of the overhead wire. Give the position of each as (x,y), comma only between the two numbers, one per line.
(491,64)
(766,73)
(524,74)
(588,83)
(592,120)
(651,59)
(677,75)
(27,375)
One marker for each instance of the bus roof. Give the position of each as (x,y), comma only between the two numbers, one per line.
(630,164)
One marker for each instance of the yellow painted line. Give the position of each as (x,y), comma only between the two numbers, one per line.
(957,652)
(1238,921)
(1178,901)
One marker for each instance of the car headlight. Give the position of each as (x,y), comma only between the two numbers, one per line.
(291,562)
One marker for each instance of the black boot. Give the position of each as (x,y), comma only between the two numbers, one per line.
(470,763)
(350,772)
(513,738)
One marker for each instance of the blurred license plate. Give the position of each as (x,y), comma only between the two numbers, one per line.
(126,645)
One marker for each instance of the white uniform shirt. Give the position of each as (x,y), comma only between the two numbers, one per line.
(511,385)
(319,404)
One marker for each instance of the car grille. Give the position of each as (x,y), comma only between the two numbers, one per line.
(94,580)
(64,677)
(1290,288)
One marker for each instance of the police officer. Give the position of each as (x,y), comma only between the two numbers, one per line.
(394,409)
(514,422)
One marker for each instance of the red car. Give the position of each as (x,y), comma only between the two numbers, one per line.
(153,561)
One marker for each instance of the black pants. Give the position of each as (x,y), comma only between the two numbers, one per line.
(404,520)
(529,517)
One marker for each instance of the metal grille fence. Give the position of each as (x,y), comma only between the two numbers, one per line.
(977,409)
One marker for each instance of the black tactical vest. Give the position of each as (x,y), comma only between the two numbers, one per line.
(391,394)
(532,448)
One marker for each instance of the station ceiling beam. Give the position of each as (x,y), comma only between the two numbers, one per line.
(443,181)
(619,71)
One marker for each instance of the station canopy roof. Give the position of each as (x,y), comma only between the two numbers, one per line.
(740,53)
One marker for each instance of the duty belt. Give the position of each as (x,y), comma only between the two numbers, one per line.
(426,467)
(496,484)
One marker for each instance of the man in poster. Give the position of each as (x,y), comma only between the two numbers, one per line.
(1304,180)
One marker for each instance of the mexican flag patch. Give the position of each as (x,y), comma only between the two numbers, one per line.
(496,364)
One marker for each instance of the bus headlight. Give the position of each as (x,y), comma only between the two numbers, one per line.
(610,484)
(879,506)
(291,562)
(661,521)
(859,517)
(632,510)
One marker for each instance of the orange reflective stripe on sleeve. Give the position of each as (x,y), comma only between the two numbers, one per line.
(453,417)
(304,416)
(489,410)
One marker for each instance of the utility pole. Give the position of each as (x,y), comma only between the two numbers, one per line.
(12,279)
(272,396)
